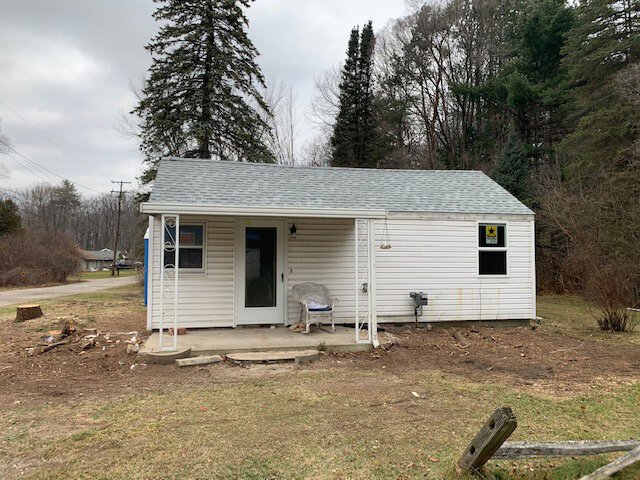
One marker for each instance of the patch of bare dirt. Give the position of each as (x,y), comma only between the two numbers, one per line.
(517,357)
(70,372)
(537,359)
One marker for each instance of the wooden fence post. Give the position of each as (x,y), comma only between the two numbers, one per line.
(490,437)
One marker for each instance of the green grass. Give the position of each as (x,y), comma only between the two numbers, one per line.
(100,302)
(100,274)
(571,314)
(291,423)
(304,425)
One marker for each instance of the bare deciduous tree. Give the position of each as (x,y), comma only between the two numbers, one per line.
(89,221)
(284,122)
(325,103)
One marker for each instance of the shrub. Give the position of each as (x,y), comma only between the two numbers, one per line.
(36,258)
(612,288)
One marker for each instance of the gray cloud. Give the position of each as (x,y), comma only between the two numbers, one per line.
(66,67)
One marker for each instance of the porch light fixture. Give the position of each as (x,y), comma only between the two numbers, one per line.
(292,231)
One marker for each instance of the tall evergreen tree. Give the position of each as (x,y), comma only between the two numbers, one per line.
(605,40)
(354,133)
(203,84)
(512,172)
(532,85)
(366,139)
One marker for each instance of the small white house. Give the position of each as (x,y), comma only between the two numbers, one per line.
(249,232)
(95,260)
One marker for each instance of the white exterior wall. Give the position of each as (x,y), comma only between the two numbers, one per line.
(205,299)
(323,252)
(438,255)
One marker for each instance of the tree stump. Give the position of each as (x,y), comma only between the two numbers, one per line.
(28,312)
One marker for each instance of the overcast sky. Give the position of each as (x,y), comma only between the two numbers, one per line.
(66,67)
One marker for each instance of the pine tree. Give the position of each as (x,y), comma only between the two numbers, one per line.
(9,218)
(532,85)
(366,139)
(605,40)
(354,134)
(512,172)
(345,128)
(202,86)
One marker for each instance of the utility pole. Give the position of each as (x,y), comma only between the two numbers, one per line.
(120,192)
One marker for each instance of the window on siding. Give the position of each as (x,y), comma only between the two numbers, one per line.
(492,249)
(191,247)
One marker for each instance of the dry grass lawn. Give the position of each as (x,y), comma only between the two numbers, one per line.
(66,415)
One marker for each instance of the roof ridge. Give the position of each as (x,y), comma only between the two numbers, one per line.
(327,168)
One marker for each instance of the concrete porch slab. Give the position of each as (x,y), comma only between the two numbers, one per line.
(222,341)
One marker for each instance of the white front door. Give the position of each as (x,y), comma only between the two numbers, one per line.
(260,272)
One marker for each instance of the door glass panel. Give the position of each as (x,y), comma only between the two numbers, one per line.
(260,273)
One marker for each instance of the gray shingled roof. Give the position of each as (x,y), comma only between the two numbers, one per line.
(231,184)
(103,255)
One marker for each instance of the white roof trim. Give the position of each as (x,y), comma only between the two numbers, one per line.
(195,209)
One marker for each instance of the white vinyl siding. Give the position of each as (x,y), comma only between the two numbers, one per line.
(435,255)
(440,257)
(323,252)
(205,299)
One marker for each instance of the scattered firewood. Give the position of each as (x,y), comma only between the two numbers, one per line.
(46,348)
(28,312)
(616,466)
(89,342)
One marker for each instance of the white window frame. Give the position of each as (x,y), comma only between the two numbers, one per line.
(492,249)
(203,247)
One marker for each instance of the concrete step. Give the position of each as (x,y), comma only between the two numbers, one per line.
(194,361)
(164,358)
(297,356)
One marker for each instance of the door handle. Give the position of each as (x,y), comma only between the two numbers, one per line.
(282,274)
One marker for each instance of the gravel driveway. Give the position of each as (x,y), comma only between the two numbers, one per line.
(30,295)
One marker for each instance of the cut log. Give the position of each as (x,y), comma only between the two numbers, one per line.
(614,467)
(488,440)
(512,450)
(28,312)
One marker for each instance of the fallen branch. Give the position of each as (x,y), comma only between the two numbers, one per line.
(512,450)
(615,466)
(567,349)
(52,346)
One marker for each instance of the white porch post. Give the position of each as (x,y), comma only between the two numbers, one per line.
(170,243)
(365,279)
(373,311)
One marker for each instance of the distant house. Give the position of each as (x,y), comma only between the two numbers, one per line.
(243,235)
(95,260)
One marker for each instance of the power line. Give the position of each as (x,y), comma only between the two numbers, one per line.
(35,165)
(44,170)
(38,146)
(43,134)
(27,167)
